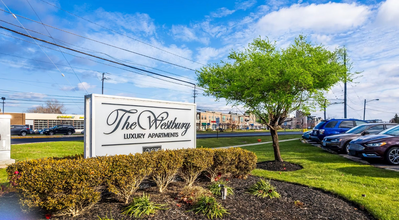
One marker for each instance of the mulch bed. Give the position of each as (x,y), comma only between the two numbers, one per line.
(278,166)
(313,204)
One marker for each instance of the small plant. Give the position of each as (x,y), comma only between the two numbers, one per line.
(142,206)
(264,189)
(298,203)
(216,188)
(209,207)
(191,194)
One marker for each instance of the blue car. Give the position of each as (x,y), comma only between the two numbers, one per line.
(333,127)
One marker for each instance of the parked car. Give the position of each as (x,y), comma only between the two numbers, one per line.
(63,129)
(332,127)
(22,130)
(306,135)
(340,142)
(384,145)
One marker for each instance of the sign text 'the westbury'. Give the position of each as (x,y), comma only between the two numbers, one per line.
(147,120)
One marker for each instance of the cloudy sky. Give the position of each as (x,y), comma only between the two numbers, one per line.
(175,38)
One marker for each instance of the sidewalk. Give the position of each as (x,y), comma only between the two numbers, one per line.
(259,143)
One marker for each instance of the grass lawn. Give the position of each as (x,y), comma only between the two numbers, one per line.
(336,174)
(222,142)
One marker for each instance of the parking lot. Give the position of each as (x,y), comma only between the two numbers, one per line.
(375,163)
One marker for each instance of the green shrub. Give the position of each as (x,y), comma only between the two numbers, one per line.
(63,187)
(209,207)
(195,161)
(142,206)
(126,172)
(216,188)
(246,162)
(166,166)
(224,162)
(264,189)
(191,194)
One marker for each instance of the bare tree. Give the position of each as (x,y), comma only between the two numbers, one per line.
(51,106)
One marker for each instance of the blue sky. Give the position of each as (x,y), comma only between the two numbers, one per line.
(189,34)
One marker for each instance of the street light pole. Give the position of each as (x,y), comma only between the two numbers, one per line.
(325,106)
(364,109)
(3,98)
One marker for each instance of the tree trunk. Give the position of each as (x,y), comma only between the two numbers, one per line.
(276,146)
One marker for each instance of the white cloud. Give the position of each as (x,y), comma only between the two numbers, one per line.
(28,95)
(136,23)
(388,13)
(222,12)
(245,5)
(83,86)
(205,54)
(187,34)
(330,18)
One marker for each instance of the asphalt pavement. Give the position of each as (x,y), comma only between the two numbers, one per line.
(199,136)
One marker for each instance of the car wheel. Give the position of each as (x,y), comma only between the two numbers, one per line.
(69,132)
(23,133)
(392,156)
(346,148)
(51,133)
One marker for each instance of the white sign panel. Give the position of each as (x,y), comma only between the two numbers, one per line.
(123,125)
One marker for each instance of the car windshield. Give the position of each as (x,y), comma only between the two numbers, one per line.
(55,126)
(320,125)
(357,130)
(392,131)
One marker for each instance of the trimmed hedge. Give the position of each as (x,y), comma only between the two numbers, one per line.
(71,185)
(126,172)
(195,161)
(63,187)
(167,165)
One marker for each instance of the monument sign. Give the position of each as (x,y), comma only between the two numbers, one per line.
(123,125)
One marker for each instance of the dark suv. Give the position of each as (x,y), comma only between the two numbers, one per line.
(332,127)
(384,145)
(22,130)
(64,129)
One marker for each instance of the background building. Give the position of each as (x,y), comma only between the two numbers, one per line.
(37,121)
(209,120)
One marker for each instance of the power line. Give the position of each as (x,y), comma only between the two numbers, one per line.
(28,34)
(83,48)
(9,11)
(98,58)
(122,33)
(110,45)
(57,47)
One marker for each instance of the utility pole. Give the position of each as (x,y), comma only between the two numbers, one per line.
(346,72)
(325,102)
(364,110)
(3,98)
(102,79)
(195,92)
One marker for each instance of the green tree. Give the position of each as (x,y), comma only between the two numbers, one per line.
(395,119)
(273,82)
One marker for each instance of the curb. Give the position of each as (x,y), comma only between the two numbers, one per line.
(46,136)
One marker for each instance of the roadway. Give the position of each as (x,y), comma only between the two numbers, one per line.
(199,136)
